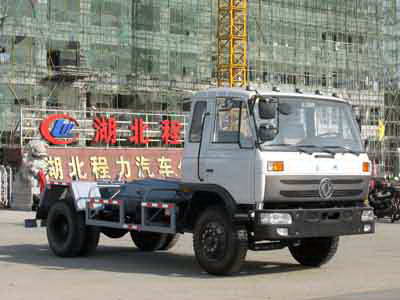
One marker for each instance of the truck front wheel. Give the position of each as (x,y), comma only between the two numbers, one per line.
(148,241)
(219,245)
(314,252)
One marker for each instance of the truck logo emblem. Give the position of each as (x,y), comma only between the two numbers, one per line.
(326,188)
(60,134)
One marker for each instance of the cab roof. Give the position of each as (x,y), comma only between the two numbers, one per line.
(241,92)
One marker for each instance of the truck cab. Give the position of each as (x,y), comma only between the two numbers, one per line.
(271,149)
(262,170)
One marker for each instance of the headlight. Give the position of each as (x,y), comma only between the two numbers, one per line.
(276,218)
(367,216)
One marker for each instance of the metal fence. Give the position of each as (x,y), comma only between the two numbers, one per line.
(6,179)
(152,123)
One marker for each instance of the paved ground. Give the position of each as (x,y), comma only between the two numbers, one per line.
(366,267)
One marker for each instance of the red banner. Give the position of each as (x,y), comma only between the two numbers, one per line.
(113,164)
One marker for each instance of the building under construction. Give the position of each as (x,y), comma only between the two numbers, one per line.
(149,55)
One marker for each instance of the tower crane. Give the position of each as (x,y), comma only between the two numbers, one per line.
(232,68)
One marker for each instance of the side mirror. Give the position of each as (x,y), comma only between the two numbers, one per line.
(267,132)
(267,110)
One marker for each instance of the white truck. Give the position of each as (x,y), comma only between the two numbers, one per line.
(262,170)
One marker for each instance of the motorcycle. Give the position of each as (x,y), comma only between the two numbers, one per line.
(384,197)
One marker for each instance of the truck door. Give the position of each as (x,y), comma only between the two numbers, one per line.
(230,152)
(193,169)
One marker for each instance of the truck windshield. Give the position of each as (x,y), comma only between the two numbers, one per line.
(314,125)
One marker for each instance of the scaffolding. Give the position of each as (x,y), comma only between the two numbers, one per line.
(149,55)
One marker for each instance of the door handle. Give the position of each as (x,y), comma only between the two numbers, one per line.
(210,170)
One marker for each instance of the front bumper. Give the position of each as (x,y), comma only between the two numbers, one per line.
(314,223)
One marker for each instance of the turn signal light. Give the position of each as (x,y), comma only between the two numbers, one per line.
(365,167)
(275,166)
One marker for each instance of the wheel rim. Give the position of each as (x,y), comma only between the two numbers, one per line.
(61,228)
(213,241)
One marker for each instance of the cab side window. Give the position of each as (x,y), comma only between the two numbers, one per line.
(227,120)
(197,120)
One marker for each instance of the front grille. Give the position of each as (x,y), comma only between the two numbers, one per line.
(347,193)
(315,193)
(316,181)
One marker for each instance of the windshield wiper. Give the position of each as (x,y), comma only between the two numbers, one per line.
(293,146)
(348,150)
(318,148)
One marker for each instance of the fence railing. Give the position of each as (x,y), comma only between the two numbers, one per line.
(6,180)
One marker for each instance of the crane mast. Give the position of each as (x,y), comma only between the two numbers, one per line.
(232,43)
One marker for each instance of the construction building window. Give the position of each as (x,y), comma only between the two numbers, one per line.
(181,20)
(100,101)
(124,61)
(63,54)
(334,80)
(183,64)
(106,13)
(373,116)
(307,78)
(18,8)
(123,102)
(147,16)
(288,78)
(104,57)
(22,50)
(110,58)
(324,81)
(65,11)
(147,61)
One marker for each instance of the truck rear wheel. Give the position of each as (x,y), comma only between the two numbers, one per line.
(219,245)
(65,230)
(314,252)
(148,241)
(170,242)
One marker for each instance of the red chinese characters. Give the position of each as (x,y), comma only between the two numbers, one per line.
(138,128)
(106,130)
(171,132)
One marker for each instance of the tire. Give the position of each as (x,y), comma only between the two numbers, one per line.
(314,252)
(113,233)
(219,245)
(92,237)
(65,230)
(148,241)
(170,242)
